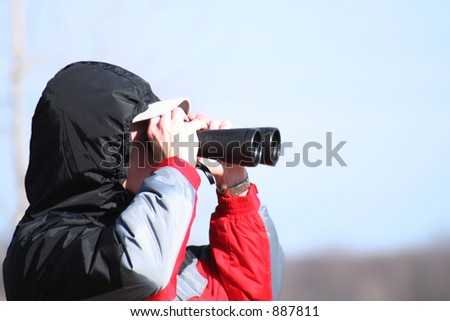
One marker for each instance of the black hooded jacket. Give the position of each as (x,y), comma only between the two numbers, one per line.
(79,153)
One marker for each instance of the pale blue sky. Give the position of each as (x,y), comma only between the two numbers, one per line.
(374,73)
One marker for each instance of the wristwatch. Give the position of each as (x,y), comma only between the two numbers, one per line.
(236,189)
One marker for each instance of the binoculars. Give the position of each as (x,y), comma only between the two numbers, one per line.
(242,146)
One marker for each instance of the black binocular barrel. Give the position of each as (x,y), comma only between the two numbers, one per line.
(240,146)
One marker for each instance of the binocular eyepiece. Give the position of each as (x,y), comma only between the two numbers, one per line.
(242,146)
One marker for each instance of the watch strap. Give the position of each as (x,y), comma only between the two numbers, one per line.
(236,189)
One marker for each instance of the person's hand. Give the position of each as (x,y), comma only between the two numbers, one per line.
(226,175)
(174,134)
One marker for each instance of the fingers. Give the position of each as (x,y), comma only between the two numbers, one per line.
(168,122)
(198,124)
(199,116)
(178,115)
(153,126)
(225,125)
(214,124)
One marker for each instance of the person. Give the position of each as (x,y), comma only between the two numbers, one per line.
(112,201)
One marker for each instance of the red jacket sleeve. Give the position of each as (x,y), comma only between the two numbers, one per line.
(240,248)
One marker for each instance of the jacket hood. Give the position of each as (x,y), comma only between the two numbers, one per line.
(80,140)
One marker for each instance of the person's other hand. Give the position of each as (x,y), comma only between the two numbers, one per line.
(226,175)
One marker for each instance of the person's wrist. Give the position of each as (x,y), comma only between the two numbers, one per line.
(231,177)
(233,182)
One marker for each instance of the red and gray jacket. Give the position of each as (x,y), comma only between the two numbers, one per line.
(85,237)
(243,261)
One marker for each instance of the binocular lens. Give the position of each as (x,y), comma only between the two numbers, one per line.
(271,139)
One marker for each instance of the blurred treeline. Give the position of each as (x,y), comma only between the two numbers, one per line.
(418,274)
(406,275)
